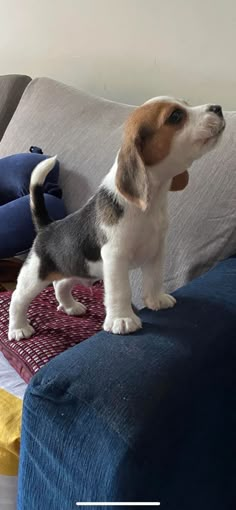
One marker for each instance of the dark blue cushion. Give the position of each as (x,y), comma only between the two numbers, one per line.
(145,417)
(16,227)
(15,172)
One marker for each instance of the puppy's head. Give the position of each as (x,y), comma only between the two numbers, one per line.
(161,140)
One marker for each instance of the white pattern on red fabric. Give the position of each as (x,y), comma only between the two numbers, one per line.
(55,331)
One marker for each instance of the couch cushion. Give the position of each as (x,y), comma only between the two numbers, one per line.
(17,231)
(15,173)
(86,131)
(16,227)
(146,417)
(55,331)
(203,217)
(12,87)
(202,227)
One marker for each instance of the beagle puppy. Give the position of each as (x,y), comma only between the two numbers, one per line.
(123,226)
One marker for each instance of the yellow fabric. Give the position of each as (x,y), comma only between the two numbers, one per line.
(10,425)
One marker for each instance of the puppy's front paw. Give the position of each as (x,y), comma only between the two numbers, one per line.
(19,333)
(122,325)
(161,302)
(76,309)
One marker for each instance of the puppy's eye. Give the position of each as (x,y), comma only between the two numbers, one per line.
(176,117)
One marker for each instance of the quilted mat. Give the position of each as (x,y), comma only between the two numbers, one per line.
(54,331)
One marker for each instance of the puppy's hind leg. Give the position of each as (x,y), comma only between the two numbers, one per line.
(29,285)
(65,299)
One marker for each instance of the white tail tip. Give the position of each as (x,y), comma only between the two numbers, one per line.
(41,171)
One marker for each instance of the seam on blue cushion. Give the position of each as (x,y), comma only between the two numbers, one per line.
(98,416)
(101,417)
(90,406)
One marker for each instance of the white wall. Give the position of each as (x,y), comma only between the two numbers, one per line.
(126,50)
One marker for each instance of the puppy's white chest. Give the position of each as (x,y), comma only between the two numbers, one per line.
(144,240)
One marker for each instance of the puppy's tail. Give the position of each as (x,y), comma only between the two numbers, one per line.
(39,212)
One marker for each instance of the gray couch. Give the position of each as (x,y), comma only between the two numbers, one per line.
(12,88)
(85,132)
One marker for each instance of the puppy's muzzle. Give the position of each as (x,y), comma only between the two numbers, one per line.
(218,126)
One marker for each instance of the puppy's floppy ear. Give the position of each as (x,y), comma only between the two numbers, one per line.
(179,182)
(131,175)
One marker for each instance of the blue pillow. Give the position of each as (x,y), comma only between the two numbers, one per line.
(15,172)
(16,227)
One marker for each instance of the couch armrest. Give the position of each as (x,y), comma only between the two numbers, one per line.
(12,87)
(145,417)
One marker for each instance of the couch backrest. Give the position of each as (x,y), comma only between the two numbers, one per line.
(86,131)
(12,87)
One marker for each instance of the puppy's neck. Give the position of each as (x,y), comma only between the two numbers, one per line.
(109,182)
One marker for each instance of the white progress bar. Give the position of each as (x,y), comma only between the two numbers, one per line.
(128,503)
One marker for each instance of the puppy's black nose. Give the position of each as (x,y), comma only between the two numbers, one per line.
(216,108)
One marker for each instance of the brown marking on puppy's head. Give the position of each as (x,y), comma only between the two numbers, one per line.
(148,136)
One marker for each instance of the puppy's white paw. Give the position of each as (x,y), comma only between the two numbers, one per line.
(161,302)
(76,309)
(19,333)
(122,325)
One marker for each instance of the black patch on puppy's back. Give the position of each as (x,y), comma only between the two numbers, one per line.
(66,246)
